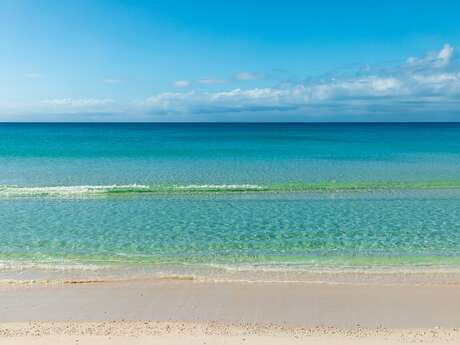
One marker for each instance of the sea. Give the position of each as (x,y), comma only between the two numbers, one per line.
(228,201)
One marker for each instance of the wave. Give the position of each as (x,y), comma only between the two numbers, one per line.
(79,273)
(18,191)
(7,191)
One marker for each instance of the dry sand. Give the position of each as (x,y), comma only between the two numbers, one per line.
(188,312)
(126,332)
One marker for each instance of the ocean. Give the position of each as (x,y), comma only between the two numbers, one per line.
(228,200)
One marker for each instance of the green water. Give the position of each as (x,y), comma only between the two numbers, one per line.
(230,196)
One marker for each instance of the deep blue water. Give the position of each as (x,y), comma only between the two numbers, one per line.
(72,154)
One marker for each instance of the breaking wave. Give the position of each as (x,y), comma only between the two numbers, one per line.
(7,191)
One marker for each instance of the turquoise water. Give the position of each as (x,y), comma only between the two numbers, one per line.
(282,196)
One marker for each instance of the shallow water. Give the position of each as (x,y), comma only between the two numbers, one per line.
(231,196)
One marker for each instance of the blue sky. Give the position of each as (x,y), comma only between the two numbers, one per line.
(87,60)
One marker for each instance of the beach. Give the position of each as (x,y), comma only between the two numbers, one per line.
(132,333)
(174,312)
(229,233)
(229,172)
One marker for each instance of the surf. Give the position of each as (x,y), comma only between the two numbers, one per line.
(10,191)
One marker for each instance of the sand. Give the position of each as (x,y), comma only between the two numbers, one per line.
(126,332)
(189,312)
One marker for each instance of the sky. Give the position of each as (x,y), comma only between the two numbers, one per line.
(88,60)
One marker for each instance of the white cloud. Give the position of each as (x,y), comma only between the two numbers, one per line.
(255,99)
(211,81)
(389,88)
(429,84)
(234,98)
(181,83)
(438,59)
(64,109)
(441,78)
(77,103)
(444,55)
(247,76)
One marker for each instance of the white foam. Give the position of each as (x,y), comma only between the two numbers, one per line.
(218,186)
(14,191)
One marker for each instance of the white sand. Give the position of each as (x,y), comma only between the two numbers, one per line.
(212,333)
(188,312)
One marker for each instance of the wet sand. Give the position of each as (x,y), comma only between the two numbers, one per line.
(134,312)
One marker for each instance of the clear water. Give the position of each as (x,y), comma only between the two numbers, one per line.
(282,196)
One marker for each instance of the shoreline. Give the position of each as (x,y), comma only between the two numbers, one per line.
(432,275)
